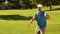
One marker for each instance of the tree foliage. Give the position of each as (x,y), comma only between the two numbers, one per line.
(29,3)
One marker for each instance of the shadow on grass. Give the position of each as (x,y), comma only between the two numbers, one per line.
(57,9)
(53,9)
(14,17)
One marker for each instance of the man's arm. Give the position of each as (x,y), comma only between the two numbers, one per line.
(33,18)
(47,16)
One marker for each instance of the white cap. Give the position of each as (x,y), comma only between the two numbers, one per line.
(39,5)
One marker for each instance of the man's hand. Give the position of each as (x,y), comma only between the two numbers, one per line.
(31,20)
(30,23)
(47,16)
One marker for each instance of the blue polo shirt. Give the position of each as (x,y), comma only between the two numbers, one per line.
(41,19)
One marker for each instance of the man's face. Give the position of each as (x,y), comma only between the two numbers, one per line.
(39,8)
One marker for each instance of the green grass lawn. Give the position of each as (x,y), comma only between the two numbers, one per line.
(20,26)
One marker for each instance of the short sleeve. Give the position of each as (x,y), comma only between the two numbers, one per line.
(35,15)
(45,14)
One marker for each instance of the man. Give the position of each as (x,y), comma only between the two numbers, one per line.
(40,16)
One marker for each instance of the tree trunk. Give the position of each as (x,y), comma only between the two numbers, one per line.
(50,6)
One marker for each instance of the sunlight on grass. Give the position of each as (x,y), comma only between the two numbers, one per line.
(20,26)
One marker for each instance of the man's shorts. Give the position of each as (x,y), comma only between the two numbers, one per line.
(41,26)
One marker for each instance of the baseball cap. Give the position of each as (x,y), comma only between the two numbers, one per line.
(39,5)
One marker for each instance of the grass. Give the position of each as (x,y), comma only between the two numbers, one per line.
(55,7)
(20,26)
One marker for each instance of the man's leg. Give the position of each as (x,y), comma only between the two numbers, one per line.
(43,30)
(37,31)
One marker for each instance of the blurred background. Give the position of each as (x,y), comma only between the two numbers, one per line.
(26,4)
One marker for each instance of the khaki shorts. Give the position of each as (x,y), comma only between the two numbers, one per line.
(42,30)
